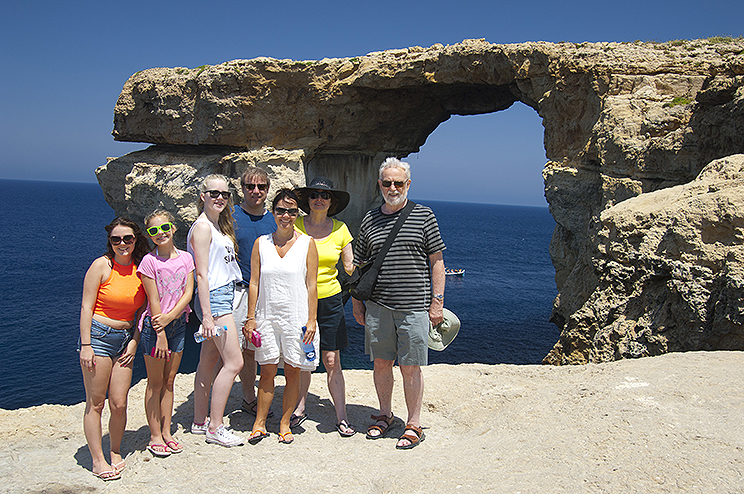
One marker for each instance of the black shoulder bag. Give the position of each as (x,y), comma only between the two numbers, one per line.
(363,279)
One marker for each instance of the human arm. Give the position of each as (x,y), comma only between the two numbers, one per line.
(436,261)
(250,322)
(127,357)
(92,281)
(360,310)
(311,281)
(201,238)
(347,258)
(151,288)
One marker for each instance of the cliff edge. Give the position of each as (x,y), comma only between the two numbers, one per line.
(671,423)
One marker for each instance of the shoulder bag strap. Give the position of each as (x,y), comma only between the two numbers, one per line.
(393,233)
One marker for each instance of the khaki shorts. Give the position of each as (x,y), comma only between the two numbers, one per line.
(391,334)
(240,314)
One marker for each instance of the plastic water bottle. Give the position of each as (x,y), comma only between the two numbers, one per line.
(308,348)
(199,335)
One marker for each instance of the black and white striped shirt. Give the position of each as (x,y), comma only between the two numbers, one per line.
(404,281)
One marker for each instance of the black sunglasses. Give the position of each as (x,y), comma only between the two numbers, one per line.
(280,211)
(116,240)
(214,194)
(322,195)
(253,186)
(398,184)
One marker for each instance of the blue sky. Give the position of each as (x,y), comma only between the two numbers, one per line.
(64,64)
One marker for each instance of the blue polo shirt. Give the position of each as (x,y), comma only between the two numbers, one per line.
(248,228)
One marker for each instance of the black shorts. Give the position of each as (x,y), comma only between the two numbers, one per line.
(332,323)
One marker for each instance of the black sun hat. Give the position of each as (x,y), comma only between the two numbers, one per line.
(322,183)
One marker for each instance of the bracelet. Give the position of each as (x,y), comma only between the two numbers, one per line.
(84,344)
(249,318)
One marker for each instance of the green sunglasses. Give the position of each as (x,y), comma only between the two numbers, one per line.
(165,228)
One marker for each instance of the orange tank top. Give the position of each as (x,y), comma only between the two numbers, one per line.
(121,294)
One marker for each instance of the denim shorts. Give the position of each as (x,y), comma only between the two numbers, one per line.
(220,301)
(107,341)
(175,333)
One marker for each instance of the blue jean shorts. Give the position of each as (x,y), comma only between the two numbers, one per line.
(175,333)
(220,301)
(107,341)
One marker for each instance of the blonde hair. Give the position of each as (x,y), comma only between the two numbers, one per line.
(225,223)
(160,212)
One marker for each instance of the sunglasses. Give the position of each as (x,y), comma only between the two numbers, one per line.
(322,195)
(398,184)
(165,228)
(253,186)
(214,194)
(116,240)
(281,211)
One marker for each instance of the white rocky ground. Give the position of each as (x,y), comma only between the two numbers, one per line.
(672,423)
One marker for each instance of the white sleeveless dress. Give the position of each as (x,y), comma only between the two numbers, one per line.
(282,307)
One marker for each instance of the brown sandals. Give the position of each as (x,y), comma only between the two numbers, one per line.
(414,437)
(388,421)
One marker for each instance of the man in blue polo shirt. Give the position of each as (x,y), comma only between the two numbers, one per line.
(251,221)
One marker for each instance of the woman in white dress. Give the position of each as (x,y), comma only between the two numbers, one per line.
(282,303)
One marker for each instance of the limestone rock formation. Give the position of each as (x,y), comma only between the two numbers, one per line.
(621,120)
(664,272)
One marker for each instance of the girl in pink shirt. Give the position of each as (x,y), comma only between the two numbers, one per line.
(168,277)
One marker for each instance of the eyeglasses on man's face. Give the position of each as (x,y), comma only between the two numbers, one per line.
(253,186)
(398,183)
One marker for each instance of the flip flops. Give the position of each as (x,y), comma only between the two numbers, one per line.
(159,450)
(108,475)
(174,446)
(256,436)
(286,438)
(296,420)
(345,425)
(119,467)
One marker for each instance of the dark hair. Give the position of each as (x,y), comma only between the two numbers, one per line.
(286,195)
(141,247)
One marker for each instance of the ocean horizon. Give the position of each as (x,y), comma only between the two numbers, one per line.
(503,300)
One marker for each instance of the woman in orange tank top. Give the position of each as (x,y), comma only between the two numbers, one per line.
(113,297)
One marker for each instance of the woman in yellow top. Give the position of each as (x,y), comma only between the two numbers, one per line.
(333,241)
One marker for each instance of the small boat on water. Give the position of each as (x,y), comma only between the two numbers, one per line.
(454,272)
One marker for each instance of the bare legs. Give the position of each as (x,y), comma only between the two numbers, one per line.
(413,389)
(227,347)
(266,395)
(336,385)
(161,375)
(248,375)
(107,375)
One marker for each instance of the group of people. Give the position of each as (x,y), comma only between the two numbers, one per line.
(265,286)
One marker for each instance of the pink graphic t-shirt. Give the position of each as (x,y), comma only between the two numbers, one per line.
(169,275)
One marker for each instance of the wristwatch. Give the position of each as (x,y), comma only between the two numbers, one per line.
(439,296)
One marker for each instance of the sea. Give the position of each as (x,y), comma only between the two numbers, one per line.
(52,231)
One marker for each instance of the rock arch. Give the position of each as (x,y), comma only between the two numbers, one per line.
(621,120)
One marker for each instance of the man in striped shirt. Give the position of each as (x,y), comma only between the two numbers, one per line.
(408,295)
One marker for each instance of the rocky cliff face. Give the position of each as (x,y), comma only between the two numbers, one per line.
(621,120)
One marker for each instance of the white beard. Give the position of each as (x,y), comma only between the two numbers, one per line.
(395,201)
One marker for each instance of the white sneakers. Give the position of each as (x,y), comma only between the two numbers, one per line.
(223,437)
(199,429)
